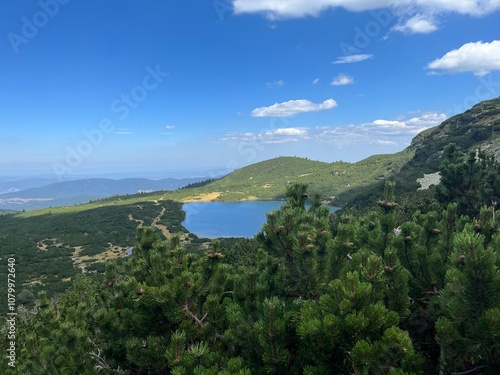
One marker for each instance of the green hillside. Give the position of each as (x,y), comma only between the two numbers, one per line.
(268,179)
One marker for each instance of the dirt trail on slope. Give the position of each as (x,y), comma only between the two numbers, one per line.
(163,228)
(131,218)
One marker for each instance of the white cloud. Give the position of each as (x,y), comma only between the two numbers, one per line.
(399,132)
(352,58)
(410,126)
(169,127)
(477,57)
(418,24)
(382,142)
(293,107)
(427,120)
(342,79)
(279,9)
(287,131)
(389,124)
(280,135)
(316,80)
(379,132)
(275,84)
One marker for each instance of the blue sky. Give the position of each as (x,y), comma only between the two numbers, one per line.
(160,87)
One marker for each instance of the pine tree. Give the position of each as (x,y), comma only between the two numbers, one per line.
(167,310)
(469,331)
(471,181)
(297,238)
(54,335)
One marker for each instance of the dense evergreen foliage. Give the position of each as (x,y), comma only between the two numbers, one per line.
(48,247)
(471,181)
(312,293)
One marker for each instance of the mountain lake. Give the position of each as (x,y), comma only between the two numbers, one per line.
(228,219)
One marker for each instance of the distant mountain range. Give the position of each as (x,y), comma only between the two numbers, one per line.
(16,196)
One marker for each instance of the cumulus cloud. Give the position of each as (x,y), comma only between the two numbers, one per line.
(426,120)
(293,107)
(287,131)
(352,58)
(477,57)
(342,79)
(279,9)
(418,24)
(410,126)
(382,142)
(380,132)
(385,132)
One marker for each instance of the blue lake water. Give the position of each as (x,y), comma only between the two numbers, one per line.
(227,219)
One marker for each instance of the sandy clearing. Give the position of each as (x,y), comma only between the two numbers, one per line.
(43,245)
(112,252)
(202,197)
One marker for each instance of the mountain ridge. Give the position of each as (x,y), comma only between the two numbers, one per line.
(83,190)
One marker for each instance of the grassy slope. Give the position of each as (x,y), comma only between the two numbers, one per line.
(268,179)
